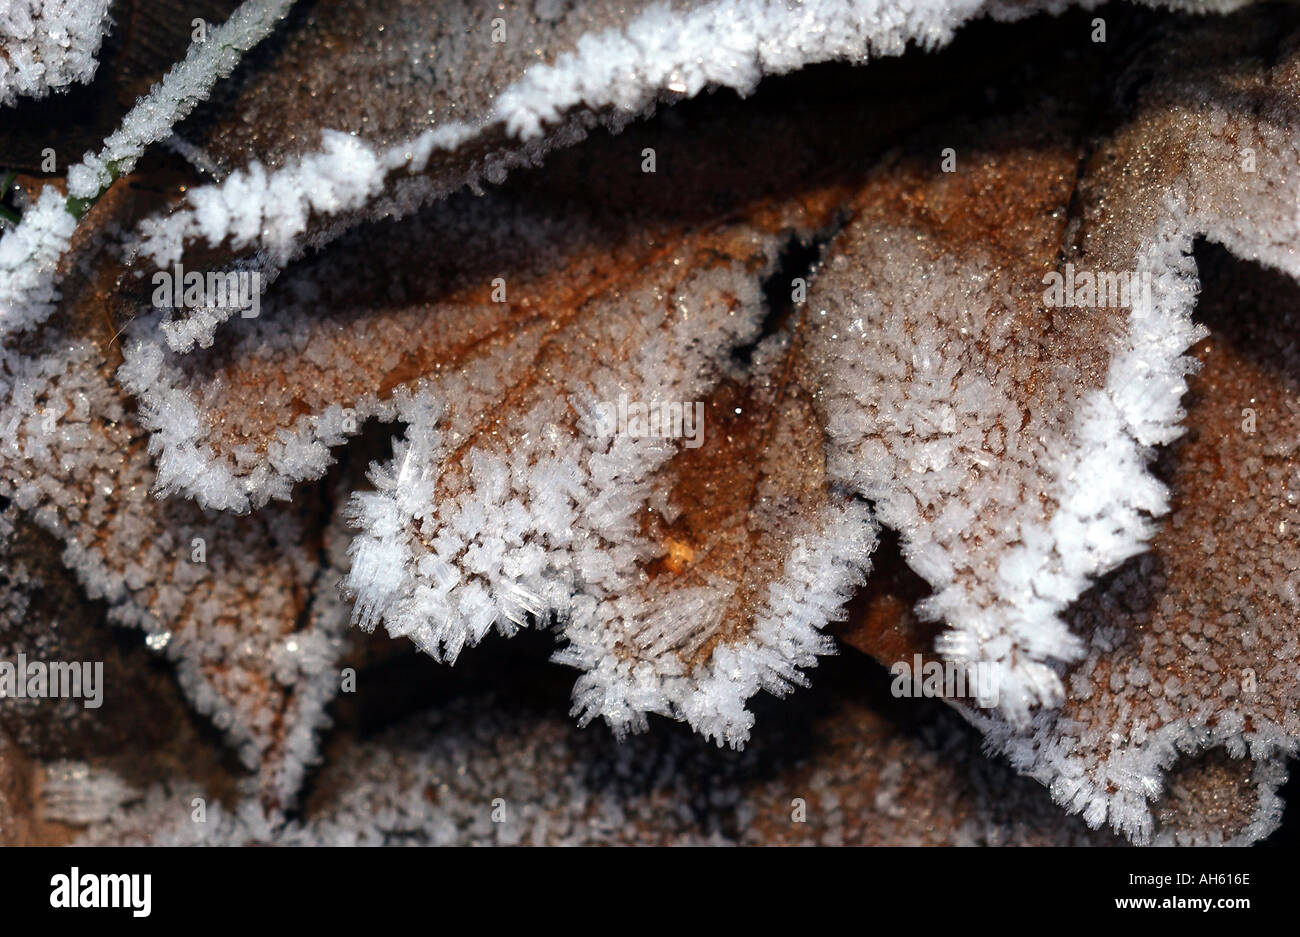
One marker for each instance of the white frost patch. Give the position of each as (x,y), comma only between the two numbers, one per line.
(29,259)
(1105,496)
(820,574)
(47,45)
(1119,788)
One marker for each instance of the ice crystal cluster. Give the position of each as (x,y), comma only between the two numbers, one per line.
(47,45)
(476,231)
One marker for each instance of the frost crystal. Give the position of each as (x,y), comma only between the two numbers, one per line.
(47,45)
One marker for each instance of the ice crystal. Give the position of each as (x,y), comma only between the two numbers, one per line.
(47,45)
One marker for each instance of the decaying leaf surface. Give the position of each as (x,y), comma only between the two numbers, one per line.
(577,67)
(224,596)
(946,390)
(1193,646)
(1007,439)
(835,766)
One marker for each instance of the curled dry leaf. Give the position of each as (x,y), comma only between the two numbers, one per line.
(1165,642)
(1178,720)
(830,767)
(471,94)
(225,597)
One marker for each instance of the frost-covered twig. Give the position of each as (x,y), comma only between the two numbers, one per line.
(29,254)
